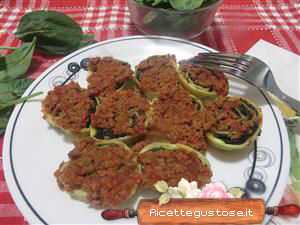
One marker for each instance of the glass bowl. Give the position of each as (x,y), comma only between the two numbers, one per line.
(169,22)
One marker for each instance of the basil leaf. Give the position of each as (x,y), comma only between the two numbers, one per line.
(56,33)
(186,4)
(17,63)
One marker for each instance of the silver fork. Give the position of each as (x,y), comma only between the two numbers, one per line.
(250,68)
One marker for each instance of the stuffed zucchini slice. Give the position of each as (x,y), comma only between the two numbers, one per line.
(103,173)
(157,76)
(122,115)
(107,75)
(171,162)
(238,123)
(69,107)
(181,119)
(202,82)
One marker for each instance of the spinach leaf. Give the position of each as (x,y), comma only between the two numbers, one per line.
(186,4)
(7,103)
(56,33)
(20,86)
(6,97)
(4,117)
(4,105)
(15,87)
(177,4)
(17,63)
(157,2)
(10,93)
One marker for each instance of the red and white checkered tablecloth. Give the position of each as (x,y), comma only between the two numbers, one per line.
(237,26)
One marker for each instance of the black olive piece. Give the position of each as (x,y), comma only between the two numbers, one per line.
(104,133)
(107,133)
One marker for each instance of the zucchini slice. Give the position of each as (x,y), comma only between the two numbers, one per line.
(68,108)
(181,118)
(157,76)
(96,170)
(107,75)
(238,123)
(171,162)
(202,82)
(123,115)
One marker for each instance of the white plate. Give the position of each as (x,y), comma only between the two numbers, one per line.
(33,150)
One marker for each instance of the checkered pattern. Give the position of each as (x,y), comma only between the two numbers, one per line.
(237,26)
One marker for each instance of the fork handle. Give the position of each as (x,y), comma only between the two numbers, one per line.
(275,90)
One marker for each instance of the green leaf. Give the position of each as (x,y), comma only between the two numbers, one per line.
(4,117)
(157,2)
(20,86)
(186,4)
(7,103)
(7,97)
(17,101)
(17,63)
(15,87)
(56,33)
(8,47)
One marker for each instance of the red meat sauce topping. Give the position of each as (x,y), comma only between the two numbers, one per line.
(171,166)
(124,112)
(108,174)
(212,80)
(69,106)
(227,118)
(181,120)
(107,75)
(158,74)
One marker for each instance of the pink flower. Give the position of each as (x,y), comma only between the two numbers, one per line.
(215,190)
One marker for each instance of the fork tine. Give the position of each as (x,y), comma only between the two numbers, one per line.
(231,60)
(233,56)
(218,61)
(225,69)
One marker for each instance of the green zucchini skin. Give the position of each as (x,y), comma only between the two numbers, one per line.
(195,89)
(162,167)
(127,139)
(173,147)
(228,144)
(82,195)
